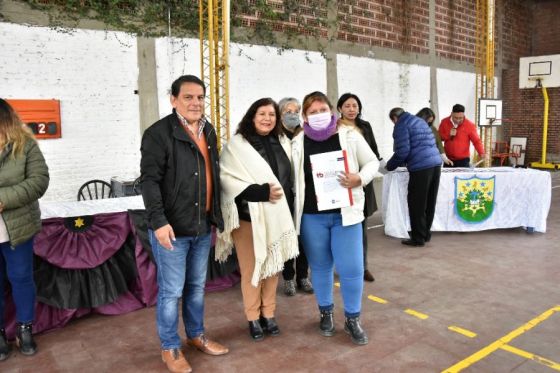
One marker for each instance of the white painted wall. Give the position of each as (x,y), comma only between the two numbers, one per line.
(94,75)
(174,57)
(258,72)
(255,72)
(456,87)
(381,86)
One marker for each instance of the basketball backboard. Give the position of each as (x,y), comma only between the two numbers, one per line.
(489,112)
(539,70)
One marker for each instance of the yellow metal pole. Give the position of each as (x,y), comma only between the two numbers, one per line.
(543,163)
(490,25)
(212,61)
(545,123)
(201,36)
(225,61)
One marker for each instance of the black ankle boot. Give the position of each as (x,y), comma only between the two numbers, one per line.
(326,325)
(24,339)
(357,334)
(255,330)
(269,325)
(4,346)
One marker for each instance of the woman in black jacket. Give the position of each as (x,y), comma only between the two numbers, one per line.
(350,108)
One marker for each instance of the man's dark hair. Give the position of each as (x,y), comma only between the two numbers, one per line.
(458,108)
(176,86)
(247,127)
(426,113)
(345,97)
(396,113)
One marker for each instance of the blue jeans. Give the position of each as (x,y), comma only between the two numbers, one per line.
(327,243)
(17,263)
(181,272)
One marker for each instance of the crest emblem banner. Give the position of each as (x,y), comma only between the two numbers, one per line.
(474,198)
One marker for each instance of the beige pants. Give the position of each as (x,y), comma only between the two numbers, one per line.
(260,300)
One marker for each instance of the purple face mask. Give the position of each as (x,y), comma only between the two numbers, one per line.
(320,126)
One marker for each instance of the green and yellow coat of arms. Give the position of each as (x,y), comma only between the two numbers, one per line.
(474,198)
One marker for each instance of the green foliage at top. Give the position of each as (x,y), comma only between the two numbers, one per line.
(180,18)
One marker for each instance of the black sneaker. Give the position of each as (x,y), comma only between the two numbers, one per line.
(255,329)
(5,347)
(305,285)
(269,325)
(24,339)
(290,288)
(357,334)
(412,243)
(326,325)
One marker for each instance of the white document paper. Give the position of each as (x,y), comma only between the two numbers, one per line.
(325,168)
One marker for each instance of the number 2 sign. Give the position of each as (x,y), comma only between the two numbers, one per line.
(42,116)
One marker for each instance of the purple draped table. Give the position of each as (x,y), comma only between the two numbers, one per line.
(99,263)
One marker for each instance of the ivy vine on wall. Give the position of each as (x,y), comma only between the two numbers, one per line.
(261,20)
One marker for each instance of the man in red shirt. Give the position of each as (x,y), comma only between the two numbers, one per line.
(457,132)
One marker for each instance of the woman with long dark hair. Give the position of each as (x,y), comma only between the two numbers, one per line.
(350,109)
(256,203)
(24,178)
(429,117)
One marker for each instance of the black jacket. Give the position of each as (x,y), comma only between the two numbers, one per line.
(370,206)
(173,178)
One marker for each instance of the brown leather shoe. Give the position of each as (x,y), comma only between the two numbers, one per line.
(368,276)
(207,346)
(175,361)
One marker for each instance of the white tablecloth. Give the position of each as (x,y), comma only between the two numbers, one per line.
(522,199)
(92,207)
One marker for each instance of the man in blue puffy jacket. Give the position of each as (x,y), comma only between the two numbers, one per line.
(415,147)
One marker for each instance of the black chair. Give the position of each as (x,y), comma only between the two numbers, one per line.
(95,189)
(137,186)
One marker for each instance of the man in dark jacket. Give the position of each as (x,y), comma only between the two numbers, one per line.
(181,192)
(415,147)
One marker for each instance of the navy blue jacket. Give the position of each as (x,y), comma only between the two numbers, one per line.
(414,144)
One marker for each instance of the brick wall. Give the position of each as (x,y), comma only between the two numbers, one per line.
(546,33)
(524,109)
(514,40)
(455,29)
(530,29)
(394,24)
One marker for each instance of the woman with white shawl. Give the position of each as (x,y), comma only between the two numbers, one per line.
(257,200)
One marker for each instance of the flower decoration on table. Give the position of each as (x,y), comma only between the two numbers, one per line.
(474,198)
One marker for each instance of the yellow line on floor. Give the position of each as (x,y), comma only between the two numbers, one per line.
(481,354)
(420,315)
(531,356)
(465,332)
(377,299)
(337,284)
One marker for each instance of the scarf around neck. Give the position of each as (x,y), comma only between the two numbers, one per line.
(320,135)
(274,236)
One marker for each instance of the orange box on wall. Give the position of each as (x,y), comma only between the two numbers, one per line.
(42,116)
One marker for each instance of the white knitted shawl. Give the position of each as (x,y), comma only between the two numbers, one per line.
(274,235)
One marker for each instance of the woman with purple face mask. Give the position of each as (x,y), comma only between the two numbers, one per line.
(332,237)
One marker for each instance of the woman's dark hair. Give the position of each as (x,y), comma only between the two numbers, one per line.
(425,114)
(345,97)
(247,127)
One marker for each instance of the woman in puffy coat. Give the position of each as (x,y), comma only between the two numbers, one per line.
(24,178)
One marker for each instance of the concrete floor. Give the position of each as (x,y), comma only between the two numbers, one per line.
(502,285)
